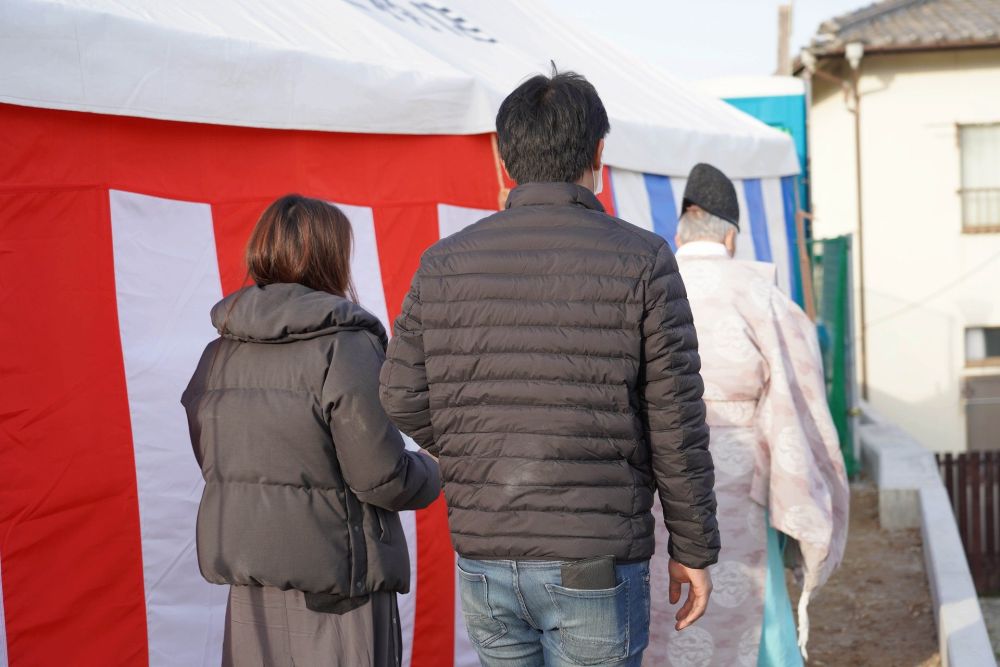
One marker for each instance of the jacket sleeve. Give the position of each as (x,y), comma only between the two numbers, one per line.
(403,383)
(193,394)
(673,414)
(805,485)
(371,452)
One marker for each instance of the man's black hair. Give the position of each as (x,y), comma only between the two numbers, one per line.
(549,127)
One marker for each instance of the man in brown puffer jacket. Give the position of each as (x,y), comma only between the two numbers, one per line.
(547,356)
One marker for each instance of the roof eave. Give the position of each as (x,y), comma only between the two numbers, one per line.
(891,49)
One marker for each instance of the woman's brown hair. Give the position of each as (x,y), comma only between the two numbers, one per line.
(305,241)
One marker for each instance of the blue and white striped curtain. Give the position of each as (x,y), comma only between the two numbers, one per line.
(767,217)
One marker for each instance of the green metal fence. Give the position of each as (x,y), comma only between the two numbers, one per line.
(831,263)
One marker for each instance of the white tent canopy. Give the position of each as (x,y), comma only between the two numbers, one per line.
(379,66)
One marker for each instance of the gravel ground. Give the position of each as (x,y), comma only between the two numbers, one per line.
(876,609)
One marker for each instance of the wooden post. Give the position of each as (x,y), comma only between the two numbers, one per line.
(805,262)
(991,560)
(784,67)
(949,478)
(974,545)
(961,505)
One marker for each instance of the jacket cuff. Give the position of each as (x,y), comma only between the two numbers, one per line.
(431,488)
(695,562)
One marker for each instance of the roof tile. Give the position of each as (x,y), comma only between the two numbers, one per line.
(912,24)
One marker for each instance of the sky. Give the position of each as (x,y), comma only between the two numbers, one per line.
(703,39)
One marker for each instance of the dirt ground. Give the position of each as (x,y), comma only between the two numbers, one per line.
(991,612)
(876,609)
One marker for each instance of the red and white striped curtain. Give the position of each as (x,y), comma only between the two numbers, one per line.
(117,235)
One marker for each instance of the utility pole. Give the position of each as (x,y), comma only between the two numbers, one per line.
(784,40)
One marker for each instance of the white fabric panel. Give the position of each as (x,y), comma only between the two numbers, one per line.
(166,281)
(366,271)
(3,627)
(402,67)
(631,198)
(744,240)
(774,209)
(408,602)
(678,185)
(452,219)
(365,267)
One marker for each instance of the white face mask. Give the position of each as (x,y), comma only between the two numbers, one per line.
(598,180)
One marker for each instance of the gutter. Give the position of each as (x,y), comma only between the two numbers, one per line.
(896,49)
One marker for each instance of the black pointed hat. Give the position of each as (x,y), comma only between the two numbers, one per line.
(712,191)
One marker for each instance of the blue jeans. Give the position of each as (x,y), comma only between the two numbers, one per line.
(518,615)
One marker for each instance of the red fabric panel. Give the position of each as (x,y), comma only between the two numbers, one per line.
(69,532)
(69,519)
(434,621)
(403,233)
(214,164)
(232,223)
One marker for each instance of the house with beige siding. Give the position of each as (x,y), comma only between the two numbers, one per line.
(904,146)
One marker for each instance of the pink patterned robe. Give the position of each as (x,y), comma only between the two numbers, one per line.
(775,449)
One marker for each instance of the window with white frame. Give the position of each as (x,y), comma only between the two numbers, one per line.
(982,346)
(980,146)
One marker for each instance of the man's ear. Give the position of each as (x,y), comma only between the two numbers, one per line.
(599,155)
(677,240)
(730,241)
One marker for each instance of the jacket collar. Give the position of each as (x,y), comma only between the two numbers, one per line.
(702,249)
(553,194)
(286,312)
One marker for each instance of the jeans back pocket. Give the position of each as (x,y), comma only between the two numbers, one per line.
(593,625)
(480,621)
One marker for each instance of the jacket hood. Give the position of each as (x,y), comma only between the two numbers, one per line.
(283,313)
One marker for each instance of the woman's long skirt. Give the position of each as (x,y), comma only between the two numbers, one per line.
(268,627)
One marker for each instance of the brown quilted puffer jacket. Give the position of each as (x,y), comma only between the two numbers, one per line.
(303,472)
(547,356)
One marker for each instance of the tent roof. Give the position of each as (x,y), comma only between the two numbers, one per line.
(379,66)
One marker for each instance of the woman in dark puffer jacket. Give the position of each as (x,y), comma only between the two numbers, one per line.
(303,471)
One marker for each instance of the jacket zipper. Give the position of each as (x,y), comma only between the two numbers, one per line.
(384,536)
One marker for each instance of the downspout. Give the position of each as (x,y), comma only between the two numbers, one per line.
(854,52)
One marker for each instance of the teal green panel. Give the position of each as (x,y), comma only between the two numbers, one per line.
(786,113)
(779,645)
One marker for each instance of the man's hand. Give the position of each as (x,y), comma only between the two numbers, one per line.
(699,588)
